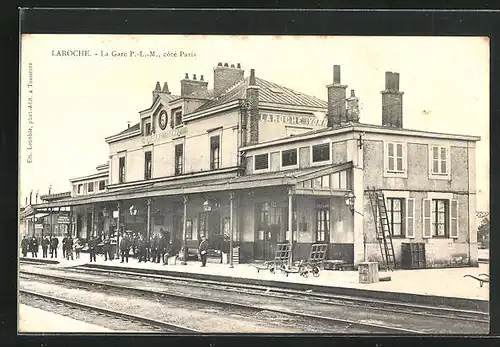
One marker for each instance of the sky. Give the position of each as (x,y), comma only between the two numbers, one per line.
(77,101)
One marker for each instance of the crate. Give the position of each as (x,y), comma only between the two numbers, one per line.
(413,255)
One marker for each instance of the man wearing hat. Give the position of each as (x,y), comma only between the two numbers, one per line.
(202,249)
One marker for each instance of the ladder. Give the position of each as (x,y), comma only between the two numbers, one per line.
(382,228)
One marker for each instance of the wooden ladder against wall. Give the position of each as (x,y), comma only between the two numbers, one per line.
(382,227)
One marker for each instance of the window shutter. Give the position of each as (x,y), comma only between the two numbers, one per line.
(410,218)
(454,218)
(426,218)
(430,161)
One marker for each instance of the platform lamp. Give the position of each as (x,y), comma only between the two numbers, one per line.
(350,198)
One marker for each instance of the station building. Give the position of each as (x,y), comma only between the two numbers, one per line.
(262,164)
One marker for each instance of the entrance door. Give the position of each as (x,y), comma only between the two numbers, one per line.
(322,210)
(270,225)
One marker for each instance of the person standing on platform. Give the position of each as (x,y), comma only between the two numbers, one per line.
(92,247)
(107,248)
(202,249)
(124,247)
(154,249)
(34,247)
(142,248)
(64,246)
(78,247)
(45,246)
(54,242)
(162,247)
(25,244)
(69,248)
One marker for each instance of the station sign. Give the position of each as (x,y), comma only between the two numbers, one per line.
(304,120)
(171,133)
(63,220)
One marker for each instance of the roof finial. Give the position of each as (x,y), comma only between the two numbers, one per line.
(157,87)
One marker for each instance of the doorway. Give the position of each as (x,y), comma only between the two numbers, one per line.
(210,226)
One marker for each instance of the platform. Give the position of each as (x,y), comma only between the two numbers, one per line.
(409,285)
(34,320)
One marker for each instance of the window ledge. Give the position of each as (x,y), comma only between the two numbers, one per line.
(322,162)
(391,174)
(435,176)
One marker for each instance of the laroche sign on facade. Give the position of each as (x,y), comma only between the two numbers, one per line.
(298,120)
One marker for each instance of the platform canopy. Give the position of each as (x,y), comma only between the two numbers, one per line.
(297,179)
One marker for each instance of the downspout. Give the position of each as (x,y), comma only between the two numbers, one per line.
(468,205)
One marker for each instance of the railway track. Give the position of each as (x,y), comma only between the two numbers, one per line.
(369,327)
(304,296)
(143,323)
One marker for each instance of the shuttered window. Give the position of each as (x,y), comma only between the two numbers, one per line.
(261,161)
(440,213)
(395,157)
(410,218)
(454,219)
(426,218)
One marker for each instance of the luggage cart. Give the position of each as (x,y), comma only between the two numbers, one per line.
(313,263)
(280,259)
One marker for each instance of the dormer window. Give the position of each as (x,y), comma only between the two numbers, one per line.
(177,117)
(147,128)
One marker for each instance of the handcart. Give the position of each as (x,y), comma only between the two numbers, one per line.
(280,260)
(313,263)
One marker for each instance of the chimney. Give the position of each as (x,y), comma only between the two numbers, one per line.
(156,91)
(226,77)
(352,112)
(252,114)
(392,102)
(165,88)
(190,86)
(336,100)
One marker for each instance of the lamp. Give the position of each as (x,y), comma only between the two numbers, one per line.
(350,198)
(133,211)
(206,206)
(360,141)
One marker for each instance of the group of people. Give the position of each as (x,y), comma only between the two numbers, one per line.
(68,246)
(156,250)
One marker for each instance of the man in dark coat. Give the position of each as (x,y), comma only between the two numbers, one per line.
(34,247)
(202,249)
(124,247)
(162,248)
(154,248)
(45,246)
(64,246)
(106,248)
(92,248)
(54,242)
(69,248)
(25,244)
(142,249)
